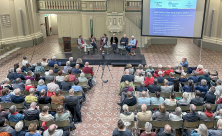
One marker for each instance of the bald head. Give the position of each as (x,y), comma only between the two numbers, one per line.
(52,129)
(87,64)
(127,71)
(143,93)
(33,105)
(143,107)
(167,129)
(132,37)
(168,67)
(50,72)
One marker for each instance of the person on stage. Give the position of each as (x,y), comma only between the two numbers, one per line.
(124,40)
(104,41)
(82,43)
(131,44)
(93,43)
(114,42)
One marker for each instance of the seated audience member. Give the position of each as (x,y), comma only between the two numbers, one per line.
(32,130)
(39,68)
(57,98)
(179,70)
(67,67)
(171,78)
(32,113)
(43,99)
(18,130)
(41,85)
(124,90)
(53,61)
(53,131)
(44,116)
(14,116)
(62,115)
(79,61)
(56,68)
(183,77)
(72,64)
(166,131)
(6,96)
(18,84)
(139,69)
(201,131)
(210,97)
(44,62)
(184,62)
(154,87)
(121,131)
(16,65)
(47,77)
(66,85)
(87,69)
(205,76)
(144,115)
(16,98)
(198,101)
(149,79)
(29,68)
(217,117)
(166,88)
(160,78)
(73,105)
(157,100)
(218,131)
(159,69)
(139,78)
(130,100)
(177,115)
(25,60)
(207,115)
(184,101)
(177,87)
(10,75)
(6,84)
(161,114)
(219,100)
(3,113)
(51,87)
(171,101)
(218,88)
(127,77)
(130,68)
(76,87)
(4,127)
(144,99)
(193,116)
(148,128)
(189,87)
(71,76)
(141,87)
(38,77)
(82,78)
(203,88)
(60,77)
(200,70)
(194,76)
(126,115)
(29,76)
(167,72)
(31,97)
(150,69)
(28,85)
(76,70)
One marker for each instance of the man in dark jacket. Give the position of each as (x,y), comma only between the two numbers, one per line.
(154,87)
(72,64)
(210,97)
(4,127)
(194,76)
(203,88)
(53,61)
(3,113)
(127,77)
(166,131)
(130,100)
(76,70)
(19,84)
(197,101)
(205,76)
(114,42)
(43,99)
(16,98)
(32,113)
(18,74)
(192,116)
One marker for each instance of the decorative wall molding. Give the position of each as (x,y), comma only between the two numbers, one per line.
(212,40)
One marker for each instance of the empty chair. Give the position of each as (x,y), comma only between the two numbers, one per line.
(176,124)
(190,125)
(159,124)
(133,108)
(209,124)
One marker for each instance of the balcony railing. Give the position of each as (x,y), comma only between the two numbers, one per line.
(133,6)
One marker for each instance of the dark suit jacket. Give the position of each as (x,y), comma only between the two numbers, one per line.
(191,117)
(154,88)
(10,76)
(210,98)
(198,101)
(18,75)
(72,64)
(164,134)
(124,40)
(130,102)
(129,78)
(111,40)
(160,79)
(44,100)
(90,40)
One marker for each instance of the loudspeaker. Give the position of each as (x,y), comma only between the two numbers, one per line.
(22,20)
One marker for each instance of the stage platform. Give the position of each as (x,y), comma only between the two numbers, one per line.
(96,58)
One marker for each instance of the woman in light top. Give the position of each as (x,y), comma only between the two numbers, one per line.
(171,101)
(177,115)
(44,116)
(157,100)
(179,70)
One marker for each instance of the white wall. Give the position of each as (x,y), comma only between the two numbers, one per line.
(53,24)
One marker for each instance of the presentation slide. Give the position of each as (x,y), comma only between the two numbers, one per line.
(172,18)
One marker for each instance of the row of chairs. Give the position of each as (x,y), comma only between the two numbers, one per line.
(163,68)
(170,108)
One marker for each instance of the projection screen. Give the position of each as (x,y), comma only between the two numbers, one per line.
(173,18)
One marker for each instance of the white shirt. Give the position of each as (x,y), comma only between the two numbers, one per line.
(44,64)
(24,62)
(104,39)
(59,78)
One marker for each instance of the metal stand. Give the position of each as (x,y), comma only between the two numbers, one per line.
(103,68)
(200,48)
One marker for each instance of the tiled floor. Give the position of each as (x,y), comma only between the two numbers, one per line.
(100,111)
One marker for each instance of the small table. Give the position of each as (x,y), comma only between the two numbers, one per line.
(107,47)
(88,47)
(121,48)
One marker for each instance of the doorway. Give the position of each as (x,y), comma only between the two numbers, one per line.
(47,26)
